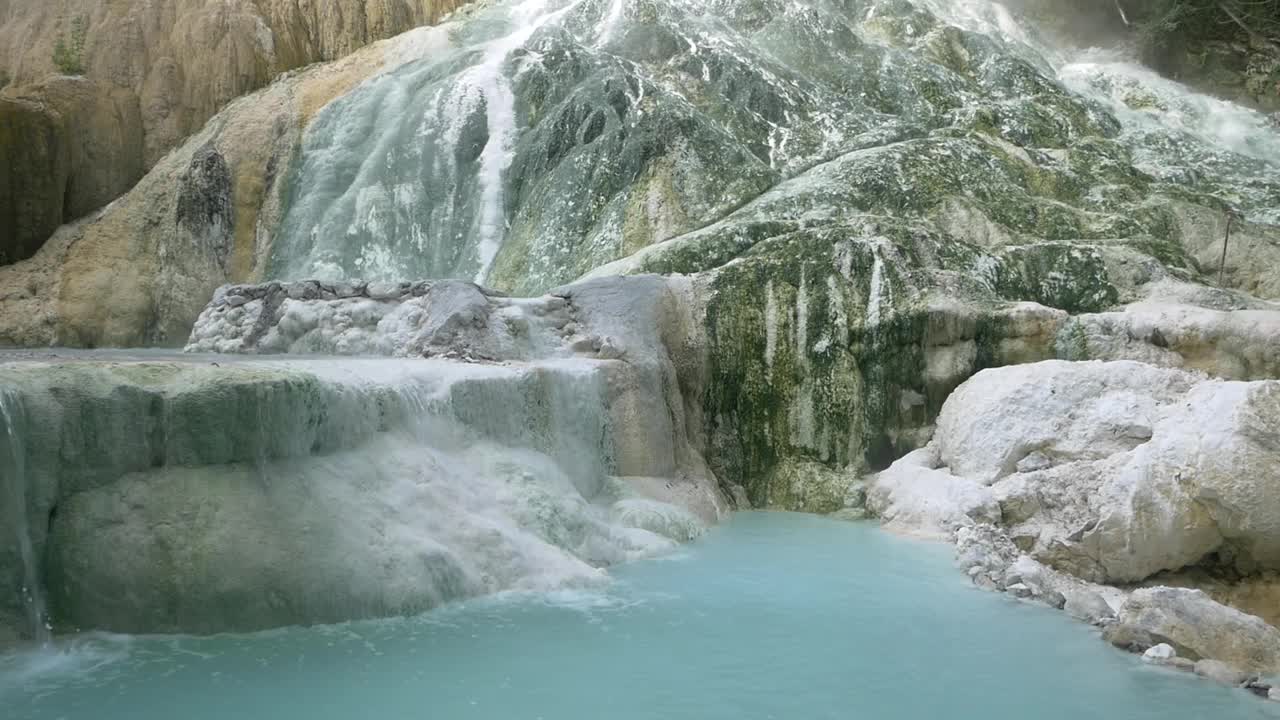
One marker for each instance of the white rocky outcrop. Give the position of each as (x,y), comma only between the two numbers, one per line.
(1111,472)
(915,498)
(1062,481)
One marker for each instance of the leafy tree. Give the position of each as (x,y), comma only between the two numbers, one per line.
(68,51)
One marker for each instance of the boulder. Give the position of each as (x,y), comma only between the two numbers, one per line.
(1129,637)
(1159,654)
(1088,606)
(1190,619)
(1000,418)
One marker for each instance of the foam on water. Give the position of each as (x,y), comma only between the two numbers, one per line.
(771,616)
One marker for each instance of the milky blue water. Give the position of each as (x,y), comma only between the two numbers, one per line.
(771,616)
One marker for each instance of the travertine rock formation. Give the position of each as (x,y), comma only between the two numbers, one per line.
(192,224)
(149,73)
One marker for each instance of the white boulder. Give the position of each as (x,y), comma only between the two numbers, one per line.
(1159,654)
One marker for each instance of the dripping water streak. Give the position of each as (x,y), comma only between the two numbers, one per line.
(610,26)
(876,295)
(500,114)
(15,494)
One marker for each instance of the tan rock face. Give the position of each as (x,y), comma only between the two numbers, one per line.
(30,164)
(66,148)
(139,271)
(154,72)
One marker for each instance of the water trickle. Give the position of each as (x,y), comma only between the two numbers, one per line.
(489,79)
(14,473)
(609,26)
(876,295)
(406,177)
(559,136)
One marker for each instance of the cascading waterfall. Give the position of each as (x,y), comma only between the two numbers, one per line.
(446,219)
(1176,134)
(499,102)
(13,495)
(1182,136)
(560,136)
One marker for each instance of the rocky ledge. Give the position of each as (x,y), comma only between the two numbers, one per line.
(448,318)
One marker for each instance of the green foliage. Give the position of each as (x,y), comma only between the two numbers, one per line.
(68,51)
(1159,21)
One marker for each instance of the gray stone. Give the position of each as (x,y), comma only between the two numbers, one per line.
(856,495)
(1088,606)
(1053,599)
(610,349)
(1035,461)
(1258,687)
(1221,672)
(307,290)
(1129,637)
(1191,620)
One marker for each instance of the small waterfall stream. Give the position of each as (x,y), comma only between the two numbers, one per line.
(13,494)
(305,491)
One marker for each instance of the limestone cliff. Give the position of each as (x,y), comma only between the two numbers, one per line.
(150,73)
(190,225)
